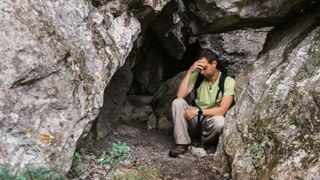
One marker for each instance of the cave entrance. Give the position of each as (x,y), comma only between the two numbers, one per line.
(130,93)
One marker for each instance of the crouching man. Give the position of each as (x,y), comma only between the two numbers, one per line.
(214,97)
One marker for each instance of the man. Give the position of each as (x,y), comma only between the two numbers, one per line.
(209,110)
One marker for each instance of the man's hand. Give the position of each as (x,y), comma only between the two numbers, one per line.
(190,113)
(200,64)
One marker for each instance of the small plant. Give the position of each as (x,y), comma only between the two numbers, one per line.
(78,165)
(77,156)
(31,173)
(118,155)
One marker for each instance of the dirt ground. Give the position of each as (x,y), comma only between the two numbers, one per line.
(147,158)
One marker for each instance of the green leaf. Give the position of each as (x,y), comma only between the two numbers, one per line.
(77,156)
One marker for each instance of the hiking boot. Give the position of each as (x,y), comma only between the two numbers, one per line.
(180,149)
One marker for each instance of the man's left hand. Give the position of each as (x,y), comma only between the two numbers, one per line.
(190,113)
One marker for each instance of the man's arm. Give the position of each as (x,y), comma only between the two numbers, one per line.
(185,88)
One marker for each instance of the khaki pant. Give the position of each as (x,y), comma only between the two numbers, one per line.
(211,127)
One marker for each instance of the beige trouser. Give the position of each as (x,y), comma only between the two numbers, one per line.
(211,127)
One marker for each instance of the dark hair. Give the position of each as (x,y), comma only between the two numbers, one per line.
(209,55)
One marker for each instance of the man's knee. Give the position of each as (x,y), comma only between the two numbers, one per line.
(216,122)
(219,122)
(178,102)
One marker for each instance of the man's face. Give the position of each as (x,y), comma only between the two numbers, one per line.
(208,69)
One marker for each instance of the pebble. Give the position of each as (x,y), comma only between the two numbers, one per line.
(198,152)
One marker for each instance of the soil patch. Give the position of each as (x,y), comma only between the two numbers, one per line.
(147,158)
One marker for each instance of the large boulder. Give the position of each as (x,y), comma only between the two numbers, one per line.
(171,31)
(222,15)
(237,49)
(57,58)
(180,21)
(273,131)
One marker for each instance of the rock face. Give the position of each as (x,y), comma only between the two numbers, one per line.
(222,15)
(57,58)
(238,49)
(274,129)
(114,99)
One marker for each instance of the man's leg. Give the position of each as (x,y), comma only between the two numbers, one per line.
(212,128)
(181,135)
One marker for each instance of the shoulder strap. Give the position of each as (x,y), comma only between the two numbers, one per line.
(196,85)
(221,84)
(221,87)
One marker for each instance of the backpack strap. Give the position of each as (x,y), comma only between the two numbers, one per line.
(221,85)
(196,85)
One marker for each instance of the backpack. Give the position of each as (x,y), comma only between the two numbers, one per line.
(224,74)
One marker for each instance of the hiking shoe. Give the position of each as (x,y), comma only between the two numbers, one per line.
(180,149)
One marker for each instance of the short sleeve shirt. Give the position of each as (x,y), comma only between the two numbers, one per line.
(206,93)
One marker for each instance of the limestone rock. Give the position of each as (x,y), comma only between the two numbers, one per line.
(57,57)
(273,129)
(237,49)
(125,130)
(114,100)
(169,29)
(222,15)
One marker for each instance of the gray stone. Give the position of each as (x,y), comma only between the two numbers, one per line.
(114,100)
(168,27)
(125,130)
(223,15)
(237,49)
(152,122)
(273,129)
(57,59)
(198,152)
(165,124)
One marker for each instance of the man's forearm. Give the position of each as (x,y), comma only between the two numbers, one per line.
(222,109)
(183,87)
(214,111)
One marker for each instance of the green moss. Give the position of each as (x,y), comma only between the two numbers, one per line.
(31,173)
(6,173)
(142,172)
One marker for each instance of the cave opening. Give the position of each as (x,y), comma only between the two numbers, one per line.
(132,89)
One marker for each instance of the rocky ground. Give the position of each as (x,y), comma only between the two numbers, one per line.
(147,158)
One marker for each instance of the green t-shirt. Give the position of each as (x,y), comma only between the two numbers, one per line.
(206,93)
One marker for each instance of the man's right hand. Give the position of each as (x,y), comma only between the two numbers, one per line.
(199,64)
(189,114)
(184,88)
